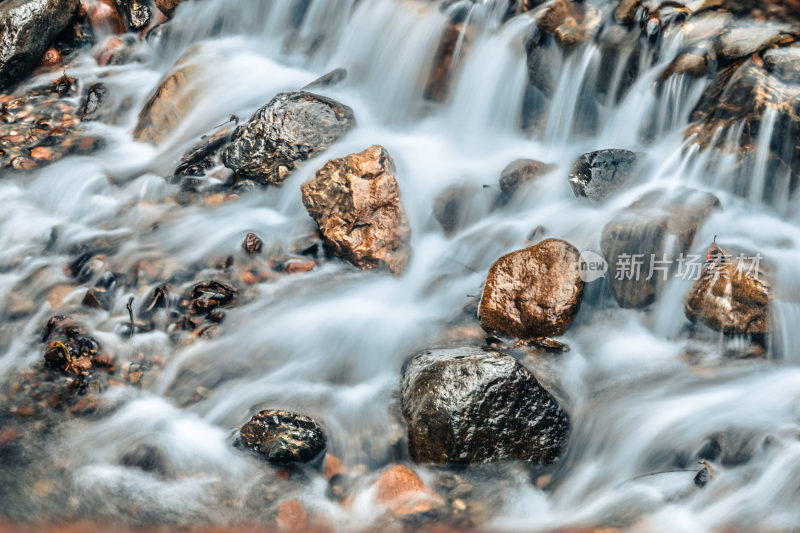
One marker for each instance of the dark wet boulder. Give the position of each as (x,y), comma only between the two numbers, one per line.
(27,27)
(203,155)
(454,43)
(283,437)
(534,292)
(290,129)
(468,405)
(732,295)
(355,200)
(598,175)
(519,173)
(643,242)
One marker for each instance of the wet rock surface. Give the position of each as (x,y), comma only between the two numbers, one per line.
(534,292)
(27,27)
(356,203)
(637,242)
(283,437)
(732,295)
(597,175)
(467,405)
(290,129)
(520,173)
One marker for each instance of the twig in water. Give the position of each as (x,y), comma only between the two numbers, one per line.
(130,314)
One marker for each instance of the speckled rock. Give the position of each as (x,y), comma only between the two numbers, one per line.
(534,292)
(467,405)
(597,175)
(356,202)
(282,437)
(290,129)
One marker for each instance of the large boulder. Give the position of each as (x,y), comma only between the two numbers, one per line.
(534,292)
(467,405)
(643,242)
(283,437)
(356,202)
(290,129)
(27,27)
(732,295)
(597,175)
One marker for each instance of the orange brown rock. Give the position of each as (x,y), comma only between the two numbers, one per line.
(356,202)
(404,493)
(534,292)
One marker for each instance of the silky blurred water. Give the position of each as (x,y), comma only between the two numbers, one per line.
(331,343)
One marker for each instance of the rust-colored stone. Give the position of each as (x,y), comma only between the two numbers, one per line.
(404,493)
(732,296)
(356,202)
(292,516)
(534,292)
(168,6)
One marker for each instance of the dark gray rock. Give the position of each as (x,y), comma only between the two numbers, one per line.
(282,437)
(290,129)
(597,175)
(467,405)
(784,63)
(92,107)
(27,27)
(452,208)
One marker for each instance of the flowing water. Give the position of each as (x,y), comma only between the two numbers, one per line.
(330,343)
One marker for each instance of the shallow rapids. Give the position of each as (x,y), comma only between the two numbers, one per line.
(330,343)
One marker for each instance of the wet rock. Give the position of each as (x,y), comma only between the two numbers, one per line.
(290,129)
(252,244)
(209,296)
(137,14)
(732,296)
(299,266)
(598,175)
(570,23)
(744,41)
(625,10)
(92,106)
(534,292)
(467,405)
(620,62)
(355,200)
(70,349)
(784,63)
(644,242)
(689,63)
(203,156)
(730,115)
(454,43)
(517,7)
(27,27)
(168,6)
(453,208)
(282,437)
(170,103)
(519,173)
(401,490)
(51,58)
(106,16)
(334,77)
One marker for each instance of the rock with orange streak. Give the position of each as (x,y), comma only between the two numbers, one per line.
(333,466)
(404,493)
(105,17)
